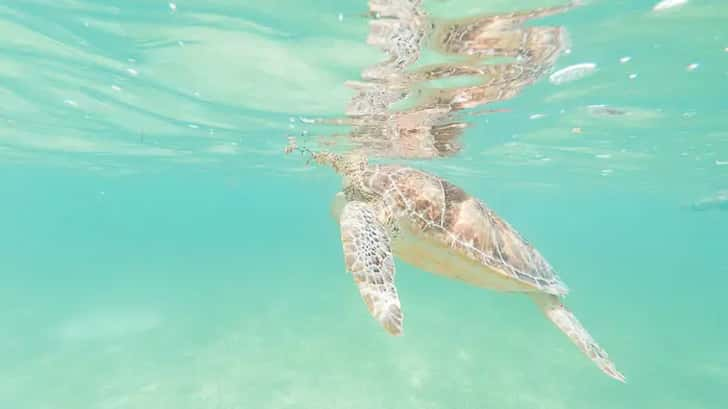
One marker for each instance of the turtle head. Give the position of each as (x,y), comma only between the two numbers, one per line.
(353,164)
(347,165)
(351,167)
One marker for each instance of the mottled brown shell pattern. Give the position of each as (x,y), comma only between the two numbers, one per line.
(446,213)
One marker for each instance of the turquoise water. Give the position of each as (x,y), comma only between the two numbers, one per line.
(158,249)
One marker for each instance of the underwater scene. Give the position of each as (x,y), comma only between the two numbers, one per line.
(358,204)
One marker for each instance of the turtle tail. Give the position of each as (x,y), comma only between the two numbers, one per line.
(568,323)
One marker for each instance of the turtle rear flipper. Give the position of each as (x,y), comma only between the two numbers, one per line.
(568,323)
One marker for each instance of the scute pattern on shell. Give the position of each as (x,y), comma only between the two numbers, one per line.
(445,213)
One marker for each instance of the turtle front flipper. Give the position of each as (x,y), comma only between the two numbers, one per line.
(368,256)
(567,322)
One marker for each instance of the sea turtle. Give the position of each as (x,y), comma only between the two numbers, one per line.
(387,210)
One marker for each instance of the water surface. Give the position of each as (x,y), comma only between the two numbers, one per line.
(160,251)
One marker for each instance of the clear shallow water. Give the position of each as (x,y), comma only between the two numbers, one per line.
(158,249)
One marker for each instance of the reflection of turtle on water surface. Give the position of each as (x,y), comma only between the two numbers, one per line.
(436,226)
(400,110)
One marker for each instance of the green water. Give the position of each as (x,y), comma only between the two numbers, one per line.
(158,250)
